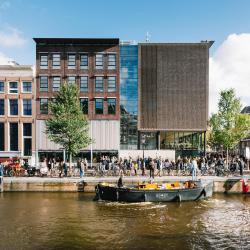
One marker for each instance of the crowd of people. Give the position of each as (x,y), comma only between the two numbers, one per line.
(212,164)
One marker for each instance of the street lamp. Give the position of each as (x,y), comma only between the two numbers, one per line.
(143,142)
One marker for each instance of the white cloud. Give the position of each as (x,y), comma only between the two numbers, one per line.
(11,37)
(230,68)
(5,60)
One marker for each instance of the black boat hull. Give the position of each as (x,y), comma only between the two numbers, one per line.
(111,193)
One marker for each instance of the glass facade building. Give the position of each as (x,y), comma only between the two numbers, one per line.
(129,96)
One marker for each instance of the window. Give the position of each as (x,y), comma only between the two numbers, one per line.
(111,83)
(43,61)
(56,83)
(99,61)
(43,83)
(1,106)
(99,83)
(44,106)
(56,61)
(27,87)
(99,106)
(13,136)
(111,61)
(84,61)
(71,79)
(27,107)
(13,106)
(83,84)
(13,87)
(1,136)
(27,139)
(1,86)
(84,105)
(71,61)
(111,106)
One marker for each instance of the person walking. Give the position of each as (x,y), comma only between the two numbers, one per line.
(82,168)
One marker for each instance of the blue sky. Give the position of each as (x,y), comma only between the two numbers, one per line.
(165,20)
(227,22)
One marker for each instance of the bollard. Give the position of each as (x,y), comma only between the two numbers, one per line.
(1,184)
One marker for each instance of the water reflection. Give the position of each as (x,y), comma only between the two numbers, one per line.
(74,221)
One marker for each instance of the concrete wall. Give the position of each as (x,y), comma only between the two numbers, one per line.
(164,154)
(105,133)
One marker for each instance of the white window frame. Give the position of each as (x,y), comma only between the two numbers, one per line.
(17,107)
(43,66)
(86,66)
(71,66)
(53,83)
(13,88)
(3,86)
(26,137)
(27,91)
(56,66)
(23,108)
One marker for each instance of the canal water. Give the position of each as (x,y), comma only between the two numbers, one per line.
(74,221)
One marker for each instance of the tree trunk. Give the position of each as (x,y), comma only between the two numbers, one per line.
(70,160)
(227,159)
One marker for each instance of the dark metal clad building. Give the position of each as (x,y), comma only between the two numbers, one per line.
(173,86)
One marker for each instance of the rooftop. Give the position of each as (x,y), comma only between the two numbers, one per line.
(77,41)
(246,110)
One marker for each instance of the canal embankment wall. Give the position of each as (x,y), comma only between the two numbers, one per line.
(87,184)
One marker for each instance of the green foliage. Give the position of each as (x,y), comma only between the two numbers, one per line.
(67,125)
(228,126)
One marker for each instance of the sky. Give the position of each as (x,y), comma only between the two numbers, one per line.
(227,22)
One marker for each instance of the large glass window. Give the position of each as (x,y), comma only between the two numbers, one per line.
(84,61)
(71,80)
(43,61)
(56,61)
(99,106)
(43,83)
(27,87)
(111,61)
(129,96)
(84,84)
(27,139)
(111,106)
(13,87)
(1,86)
(71,61)
(27,107)
(111,83)
(99,61)
(84,105)
(13,106)
(1,136)
(14,136)
(56,83)
(1,106)
(99,83)
(44,106)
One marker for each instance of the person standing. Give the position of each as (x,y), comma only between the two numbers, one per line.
(151,169)
(241,166)
(65,169)
(194,168)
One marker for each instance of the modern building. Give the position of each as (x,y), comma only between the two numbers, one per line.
(245,143)
(92,64)
(138,97)
(17,112)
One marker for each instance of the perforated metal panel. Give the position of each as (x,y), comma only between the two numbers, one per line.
(173,87)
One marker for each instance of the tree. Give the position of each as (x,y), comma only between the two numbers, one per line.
(67,125)
(228,126)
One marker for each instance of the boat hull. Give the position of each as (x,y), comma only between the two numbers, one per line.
(110,193)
